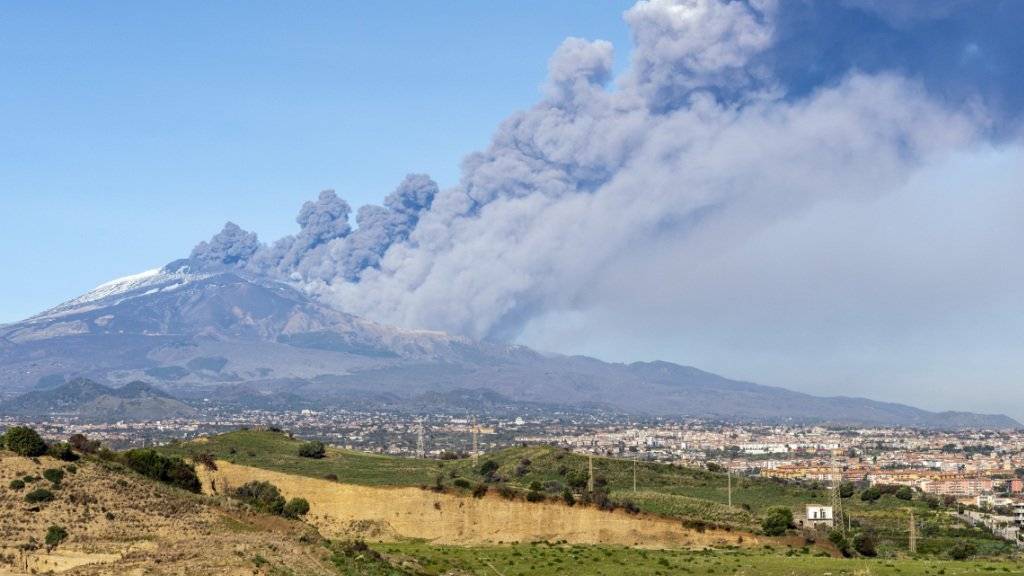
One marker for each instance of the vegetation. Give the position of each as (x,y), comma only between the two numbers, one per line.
(314,449)
(170,470)
(39,495)
(24,441)
(555,559)
(295,508)
(777,520)
(54,475)
(54,536)
(261,496)
(16,484)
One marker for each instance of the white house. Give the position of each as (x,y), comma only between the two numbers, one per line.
(1018,513)
(818,515)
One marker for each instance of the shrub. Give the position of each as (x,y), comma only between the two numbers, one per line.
(54,536)
(488,468)
(871,494)
(568,498)
(865,545)
(296,507)
(62,451)
(173,471)
(533,496)
(39,495)
(962,551)
(462,483)
(846,490)
(313,449)
(16,484)
(24,441)
(84,445)
(206,459)
(904,493)
(261,496)
(777,520)
(837,538)
(54,475)
(480,490)
(71,468)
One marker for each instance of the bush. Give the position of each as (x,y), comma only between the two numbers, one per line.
(776,521)
(962,551)
(313,449)
(54,536)
(173,471)
(24,441)
(568,498)
(261,496)
(62,451)
(16,484)
(461,483)
(296,507)
(905,493)
(533,496)
(837,538)
(84,445)
(39,495)
(846,489)
(871,494)
(865,545)
(331,476)
(488,468)
(54,475)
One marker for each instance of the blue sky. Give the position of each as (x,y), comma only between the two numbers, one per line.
(132,131)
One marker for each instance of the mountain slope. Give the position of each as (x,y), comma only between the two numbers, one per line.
(92,401)
(201,332)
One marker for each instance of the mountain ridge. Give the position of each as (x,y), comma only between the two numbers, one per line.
(194,330)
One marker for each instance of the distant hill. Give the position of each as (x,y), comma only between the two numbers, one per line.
(224,335)
(92,401)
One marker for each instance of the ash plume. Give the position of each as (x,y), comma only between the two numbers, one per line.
(697,140)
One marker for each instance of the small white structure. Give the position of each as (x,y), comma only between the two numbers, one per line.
(1018,514)
(818,515)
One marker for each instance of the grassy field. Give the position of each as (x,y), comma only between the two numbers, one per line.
(542,559)
(690,494)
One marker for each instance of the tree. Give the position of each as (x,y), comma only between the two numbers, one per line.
(777,520)
(261,496)
(24,441)
(865,545)
(296,507)
(62,451)
(846,489)
(905,493)
(54,536)
(871,494)
(313,449)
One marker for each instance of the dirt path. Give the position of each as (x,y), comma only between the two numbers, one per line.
(377,513)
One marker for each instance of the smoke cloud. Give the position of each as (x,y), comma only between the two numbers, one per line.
(698,138)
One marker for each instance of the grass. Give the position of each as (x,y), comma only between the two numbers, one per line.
(543,559)
(689,494)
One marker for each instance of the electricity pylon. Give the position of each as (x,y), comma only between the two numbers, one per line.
(837,498)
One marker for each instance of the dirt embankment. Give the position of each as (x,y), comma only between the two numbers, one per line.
(378,513)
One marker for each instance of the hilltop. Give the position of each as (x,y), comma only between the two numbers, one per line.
(244,340)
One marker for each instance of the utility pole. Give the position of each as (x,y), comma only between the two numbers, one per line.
(728,474)
(635,456)
(476,452)
(590,475)
(913,534)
